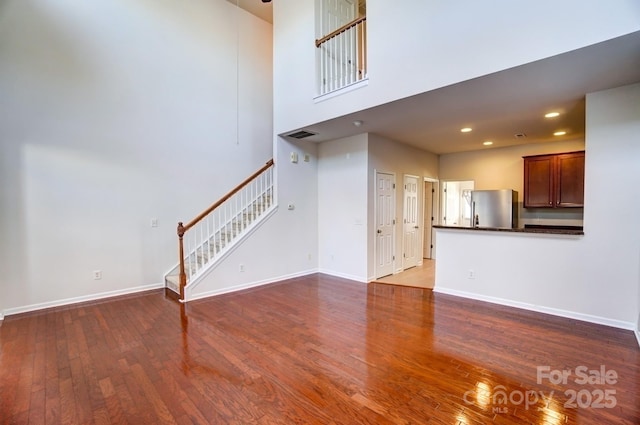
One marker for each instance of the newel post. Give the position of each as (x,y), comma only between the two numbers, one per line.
(183,275)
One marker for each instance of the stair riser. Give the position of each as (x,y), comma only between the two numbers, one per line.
(220,241)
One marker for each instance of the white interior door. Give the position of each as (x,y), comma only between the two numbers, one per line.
(411,234)
(385,223)
(336,13)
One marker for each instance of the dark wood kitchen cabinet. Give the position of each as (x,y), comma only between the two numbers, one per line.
(554,181)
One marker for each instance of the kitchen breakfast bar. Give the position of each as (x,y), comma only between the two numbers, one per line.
(546,229)
(543,269)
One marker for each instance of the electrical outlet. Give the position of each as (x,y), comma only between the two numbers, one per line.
(241,268)
(308,256)
(97,274)
(154,222)
(471,274)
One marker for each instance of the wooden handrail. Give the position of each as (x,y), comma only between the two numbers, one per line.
(182,228)
(206,212)
(340,30)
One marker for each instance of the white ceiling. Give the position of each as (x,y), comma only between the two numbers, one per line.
(500,105)
(496,106)
(256,7)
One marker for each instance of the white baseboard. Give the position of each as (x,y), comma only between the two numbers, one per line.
(84,298)
(229,249)
(637,332)
(249,285)
(343,275)
(540,309)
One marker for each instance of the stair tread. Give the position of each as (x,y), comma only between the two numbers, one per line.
(221,239)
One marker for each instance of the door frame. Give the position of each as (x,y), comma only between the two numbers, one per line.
(435,213)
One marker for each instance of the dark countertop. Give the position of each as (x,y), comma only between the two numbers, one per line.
(550,230)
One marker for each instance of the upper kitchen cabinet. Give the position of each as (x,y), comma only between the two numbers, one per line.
(554,181)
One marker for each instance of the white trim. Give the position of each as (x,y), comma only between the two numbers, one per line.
(540,309)
(84,298)
(346,89)
(235,244)
(343,275)
(249,285)
(637,332)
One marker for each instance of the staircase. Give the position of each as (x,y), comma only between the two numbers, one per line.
(207,239)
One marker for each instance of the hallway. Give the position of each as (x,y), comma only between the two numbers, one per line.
(421,276)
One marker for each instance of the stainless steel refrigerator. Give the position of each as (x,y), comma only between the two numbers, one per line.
(494,208)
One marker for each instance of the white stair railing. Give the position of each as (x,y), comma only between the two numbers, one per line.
(342,57)
(214,232)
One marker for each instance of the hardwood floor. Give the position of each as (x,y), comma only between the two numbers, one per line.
(421,276)
(311,350)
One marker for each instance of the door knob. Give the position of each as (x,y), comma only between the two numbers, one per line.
(379,231)
(416,227)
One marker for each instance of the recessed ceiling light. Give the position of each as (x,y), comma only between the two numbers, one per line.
(559,133)
(466,129)
(552,114)
(487,143)
(357,123)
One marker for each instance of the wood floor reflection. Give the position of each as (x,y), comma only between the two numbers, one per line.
(311,350)
(420,276)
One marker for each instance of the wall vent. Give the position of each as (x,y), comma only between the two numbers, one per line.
(301,134)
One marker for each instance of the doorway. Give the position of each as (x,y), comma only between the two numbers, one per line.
(456,205)
(429,218)
(336,58)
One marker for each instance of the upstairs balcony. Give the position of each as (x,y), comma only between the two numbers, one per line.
(341,52)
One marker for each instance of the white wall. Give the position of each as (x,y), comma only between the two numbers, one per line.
(342,207)
(503,168)
(611,186)
(392,157)
(111,113)
(592,277)
(286,244)
(450,42)
(498,168)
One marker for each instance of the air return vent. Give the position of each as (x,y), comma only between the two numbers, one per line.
(301,134)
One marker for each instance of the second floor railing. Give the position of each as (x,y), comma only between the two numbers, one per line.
(342,56)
